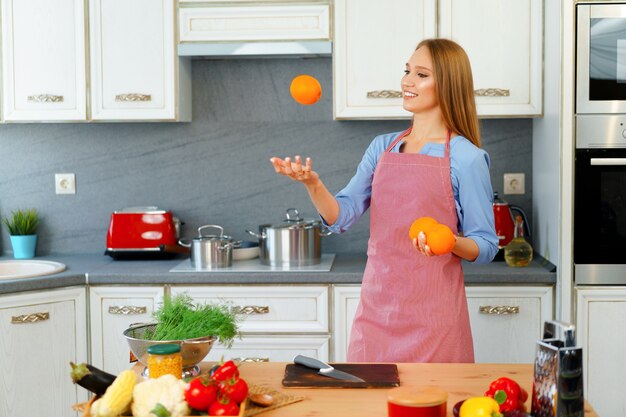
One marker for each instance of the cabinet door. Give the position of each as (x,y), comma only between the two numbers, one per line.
(601,323)
(132,59)
(507,322)
(40,334)
(274,348)
(346,300)
(505,51)
(373,40)
(43,60)
(113,310)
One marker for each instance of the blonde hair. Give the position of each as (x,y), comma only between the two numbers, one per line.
(455,87)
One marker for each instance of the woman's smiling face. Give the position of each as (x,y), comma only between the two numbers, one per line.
(419,91)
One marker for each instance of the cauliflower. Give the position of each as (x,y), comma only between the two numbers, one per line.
(163,397)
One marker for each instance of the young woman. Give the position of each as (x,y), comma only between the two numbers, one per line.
(413,306)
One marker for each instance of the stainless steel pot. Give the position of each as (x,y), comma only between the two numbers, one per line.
(295,242)
(209,251)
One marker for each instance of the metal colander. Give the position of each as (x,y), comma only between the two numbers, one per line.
(193,351)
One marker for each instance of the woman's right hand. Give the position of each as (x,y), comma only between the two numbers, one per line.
(295,170)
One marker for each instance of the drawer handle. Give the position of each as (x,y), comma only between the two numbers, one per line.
(492,92)
(252,359)
(498,310)
(384,94)
(133,97)
(250,310)
(127,310)
(45,98)
(30,318)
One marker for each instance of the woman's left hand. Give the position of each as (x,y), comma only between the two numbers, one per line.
(421,246)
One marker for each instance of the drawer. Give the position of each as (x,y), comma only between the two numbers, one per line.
(272,348)
(270,309)
(254,23)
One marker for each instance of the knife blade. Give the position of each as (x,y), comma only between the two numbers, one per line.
(325,369)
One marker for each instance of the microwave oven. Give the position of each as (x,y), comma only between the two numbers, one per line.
(601,58)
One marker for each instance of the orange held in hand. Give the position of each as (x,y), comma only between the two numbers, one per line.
(305,89)
(421,225)
(440,239)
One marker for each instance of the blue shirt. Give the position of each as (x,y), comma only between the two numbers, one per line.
(471,185)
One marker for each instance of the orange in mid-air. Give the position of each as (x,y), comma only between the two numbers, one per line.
(421,225)
(305,89)
(440,239)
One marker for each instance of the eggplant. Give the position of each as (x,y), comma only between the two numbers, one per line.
(91,378)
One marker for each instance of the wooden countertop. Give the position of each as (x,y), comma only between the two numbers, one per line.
(460,381)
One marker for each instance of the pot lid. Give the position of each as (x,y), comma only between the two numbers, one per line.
(202,235)
(294,221)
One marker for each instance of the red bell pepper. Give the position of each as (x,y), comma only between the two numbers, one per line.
(508,394)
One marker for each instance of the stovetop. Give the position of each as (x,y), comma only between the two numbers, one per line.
(254,265)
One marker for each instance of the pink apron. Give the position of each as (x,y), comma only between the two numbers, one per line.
(413,307)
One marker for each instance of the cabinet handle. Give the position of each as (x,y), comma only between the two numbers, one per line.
(250,310)
(133,97)
(45,98)
(499,310)
(252,359)
(384,94)
(492,92)
(127,310)
(30,318)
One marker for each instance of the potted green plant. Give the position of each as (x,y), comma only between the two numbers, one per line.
(22,227)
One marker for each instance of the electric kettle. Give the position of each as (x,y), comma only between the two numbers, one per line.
(505,225)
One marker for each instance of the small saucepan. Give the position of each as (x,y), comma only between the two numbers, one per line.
(209,251)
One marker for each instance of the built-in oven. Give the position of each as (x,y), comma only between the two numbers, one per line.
(601,58)
(600,200)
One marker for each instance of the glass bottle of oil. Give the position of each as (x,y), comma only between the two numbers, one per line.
(518,252)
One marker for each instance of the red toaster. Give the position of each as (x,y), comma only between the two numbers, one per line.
(141,231)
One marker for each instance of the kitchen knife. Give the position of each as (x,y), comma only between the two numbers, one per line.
(325,369)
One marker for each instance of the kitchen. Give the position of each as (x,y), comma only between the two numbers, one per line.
(216,170)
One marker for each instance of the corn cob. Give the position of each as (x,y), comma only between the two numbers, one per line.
(117,397)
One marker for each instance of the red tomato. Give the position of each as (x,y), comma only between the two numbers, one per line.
(218,408)
(226,371)
(236,390)
(200,394)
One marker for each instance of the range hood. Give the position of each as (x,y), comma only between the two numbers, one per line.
(280,49)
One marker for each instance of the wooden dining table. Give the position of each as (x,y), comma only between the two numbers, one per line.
(460,381)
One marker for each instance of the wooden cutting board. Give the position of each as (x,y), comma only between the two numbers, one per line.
(376,375)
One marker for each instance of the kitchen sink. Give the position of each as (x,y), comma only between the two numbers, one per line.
(26,268)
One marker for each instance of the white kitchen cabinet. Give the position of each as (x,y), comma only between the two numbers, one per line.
(135,73)
(41,332)
(372,42)
(345,302)
(601,331)
(43,60)
(507,321)
(277,323)
(504,43)
(113,310)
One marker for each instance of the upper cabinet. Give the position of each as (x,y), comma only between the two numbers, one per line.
(373,41)
(133,61)
(43,60)
(135,72)
(505,52)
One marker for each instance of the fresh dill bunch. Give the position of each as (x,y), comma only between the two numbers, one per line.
(178,318)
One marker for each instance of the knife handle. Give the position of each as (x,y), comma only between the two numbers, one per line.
(310,362)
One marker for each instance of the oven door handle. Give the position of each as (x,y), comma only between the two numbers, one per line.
(607,161)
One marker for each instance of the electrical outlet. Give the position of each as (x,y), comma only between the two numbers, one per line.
(65,183)
(515,183)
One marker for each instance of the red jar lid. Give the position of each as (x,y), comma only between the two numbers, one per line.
(417,396)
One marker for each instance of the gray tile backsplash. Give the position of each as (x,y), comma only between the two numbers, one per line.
(215,169)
